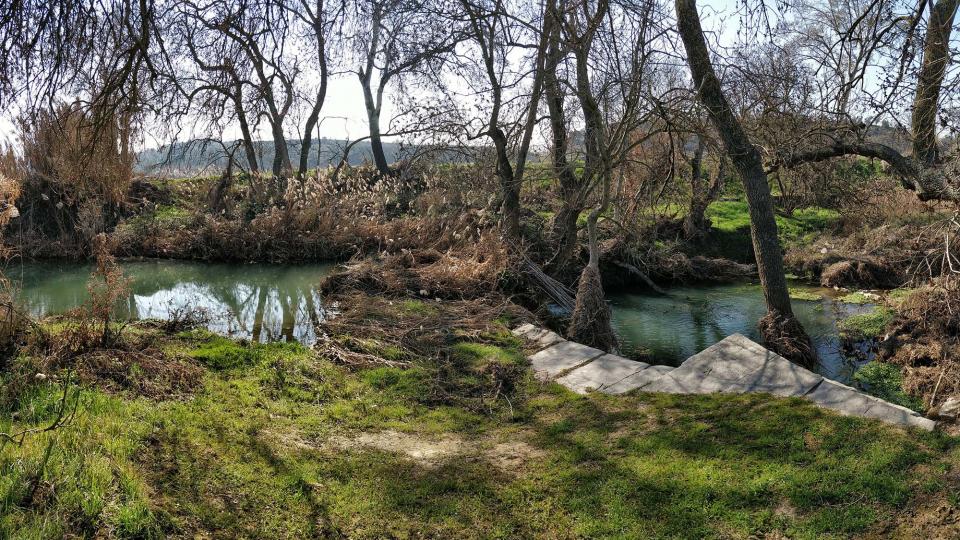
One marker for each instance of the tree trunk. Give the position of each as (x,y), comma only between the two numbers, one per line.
(696,225)
(936,57)
(747,160)
(249,149)
(564,230)
(281,156)
(373,121)
(308,128)
(508,185)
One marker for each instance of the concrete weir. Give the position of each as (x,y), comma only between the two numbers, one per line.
(735,365)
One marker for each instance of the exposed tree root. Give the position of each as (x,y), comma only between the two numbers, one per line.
(590,322)
(785,336)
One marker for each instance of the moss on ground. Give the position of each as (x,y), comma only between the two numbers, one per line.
(886,382)
(867,325)
(272,445)
(801,294)
(857,297)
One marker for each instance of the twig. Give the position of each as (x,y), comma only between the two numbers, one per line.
(933,397)
(62,418)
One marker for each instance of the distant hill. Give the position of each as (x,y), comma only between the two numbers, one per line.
(198,157)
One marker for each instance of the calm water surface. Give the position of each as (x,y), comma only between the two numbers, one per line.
(266,302)
(256,301)
(674,327)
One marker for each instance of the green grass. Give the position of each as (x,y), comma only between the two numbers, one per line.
(730,235)
(254,453)
(886,382)
(898,296)
(804,223)
(867,325)
(801,294)
(857,297)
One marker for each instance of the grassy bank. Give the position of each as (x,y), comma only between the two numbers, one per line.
(280,441)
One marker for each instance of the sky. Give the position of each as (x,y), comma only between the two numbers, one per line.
(344,117)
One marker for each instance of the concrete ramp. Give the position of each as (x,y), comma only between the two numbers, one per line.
(735,365)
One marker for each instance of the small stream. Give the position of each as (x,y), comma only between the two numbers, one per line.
(671,328)
(265,302)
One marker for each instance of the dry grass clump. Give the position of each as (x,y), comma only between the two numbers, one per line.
(925,341)
(470,272)
(863,273)
(322,217)
(884,256)
(74,168)
(623,263)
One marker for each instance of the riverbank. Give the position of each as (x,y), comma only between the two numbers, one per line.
(420,418)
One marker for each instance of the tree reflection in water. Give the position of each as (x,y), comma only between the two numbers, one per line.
(255,301)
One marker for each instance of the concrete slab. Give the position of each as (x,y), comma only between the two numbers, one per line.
(737,365)
(604,371)
(637,380)
(851,402)
(841,398)
(536,333)
(714,369)
(523,330)
(895,414)
(776,375)
(548,338)
(554,361)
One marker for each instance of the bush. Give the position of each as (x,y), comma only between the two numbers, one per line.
(75,170)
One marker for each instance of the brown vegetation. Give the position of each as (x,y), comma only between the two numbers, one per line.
(422,335)
(925,341)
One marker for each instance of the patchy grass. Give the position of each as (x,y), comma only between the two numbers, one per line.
(264,449)
(886,382)
(734,216)
(730,234)
(897,297)
(867,325)
(802,294)
(858,297)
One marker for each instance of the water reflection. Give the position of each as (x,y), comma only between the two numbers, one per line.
(674,327)
(254,301)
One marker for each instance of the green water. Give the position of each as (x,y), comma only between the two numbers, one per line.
(254,301)
(672,328)
(266,302)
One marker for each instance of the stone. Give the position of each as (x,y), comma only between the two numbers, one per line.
(604,371)
(548,338)
(637,380)
(949,409)
(851,402)
(523,330)
(736,365)
(554,361)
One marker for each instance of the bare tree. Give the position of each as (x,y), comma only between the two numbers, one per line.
(392,39)
(496,33)
(703,192)
(925,171)
(600,52)
(780,329)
